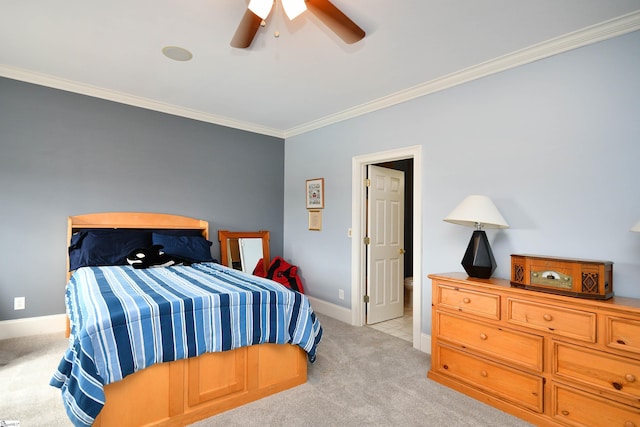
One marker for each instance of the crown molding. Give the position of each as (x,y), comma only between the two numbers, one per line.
(136,101)
(603,31)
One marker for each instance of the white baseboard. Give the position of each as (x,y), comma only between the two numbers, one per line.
(330,309)
(425,343)
(344,315)
(33,326)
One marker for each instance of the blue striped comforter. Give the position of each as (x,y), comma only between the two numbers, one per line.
(124,320)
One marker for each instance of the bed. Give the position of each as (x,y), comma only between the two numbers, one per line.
(172,345)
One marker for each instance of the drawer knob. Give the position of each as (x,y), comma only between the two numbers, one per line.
(483,336)
(466,300)
(547,317)
(565,412)
(629,424)
(630,378)
(484,373)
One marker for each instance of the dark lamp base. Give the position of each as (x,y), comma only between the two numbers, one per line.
(478,260)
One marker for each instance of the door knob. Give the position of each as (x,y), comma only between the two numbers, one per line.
(402,251)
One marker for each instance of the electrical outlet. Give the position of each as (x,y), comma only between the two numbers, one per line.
(19,303)
(341,293)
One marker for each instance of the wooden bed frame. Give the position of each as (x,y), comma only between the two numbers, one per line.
(184,391)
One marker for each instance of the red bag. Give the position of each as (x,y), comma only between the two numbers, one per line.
(259,269)
(283,272)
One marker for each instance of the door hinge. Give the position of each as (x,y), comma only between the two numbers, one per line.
(366,299)
(367,182)
(366,240)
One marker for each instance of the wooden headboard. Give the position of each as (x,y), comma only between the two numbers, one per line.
(140,220)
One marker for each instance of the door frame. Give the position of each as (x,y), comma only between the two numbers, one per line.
(358,223)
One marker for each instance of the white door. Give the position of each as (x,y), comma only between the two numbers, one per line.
(385,229)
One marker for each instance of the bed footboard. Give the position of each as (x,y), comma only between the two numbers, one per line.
(182,392)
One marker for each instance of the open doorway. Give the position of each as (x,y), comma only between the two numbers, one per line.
(359,212)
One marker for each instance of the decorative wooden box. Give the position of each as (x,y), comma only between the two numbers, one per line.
(566,276)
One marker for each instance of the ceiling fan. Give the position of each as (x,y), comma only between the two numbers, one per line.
(331,16)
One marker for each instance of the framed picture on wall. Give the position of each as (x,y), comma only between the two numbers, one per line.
(315,220)
(315,193)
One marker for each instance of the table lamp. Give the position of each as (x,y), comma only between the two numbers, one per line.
(479,212)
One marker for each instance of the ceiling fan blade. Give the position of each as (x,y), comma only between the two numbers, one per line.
(246,31)
(337,21)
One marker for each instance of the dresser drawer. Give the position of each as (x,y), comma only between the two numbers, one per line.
(468,301)
(623,334)
(607,372)
(566,322)
(511,346)
(576,408)
(508,384)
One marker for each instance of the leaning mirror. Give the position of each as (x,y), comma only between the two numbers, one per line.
(242,250)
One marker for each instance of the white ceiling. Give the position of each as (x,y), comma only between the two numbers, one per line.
(302,80)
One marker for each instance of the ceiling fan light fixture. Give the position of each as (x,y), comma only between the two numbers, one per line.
(293,8)
(259,10)
(262,8)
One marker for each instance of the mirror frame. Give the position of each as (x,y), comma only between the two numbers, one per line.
(225,235)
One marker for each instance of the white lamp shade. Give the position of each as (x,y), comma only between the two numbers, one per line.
(293,8)
(262,8)
(636,227)
(476,210)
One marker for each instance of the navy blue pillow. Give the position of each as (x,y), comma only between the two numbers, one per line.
(192,248)
(97,247)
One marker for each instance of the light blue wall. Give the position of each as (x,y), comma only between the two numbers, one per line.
(555,144)
(64,154)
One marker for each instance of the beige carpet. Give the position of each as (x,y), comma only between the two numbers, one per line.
(26,366)
(362,377)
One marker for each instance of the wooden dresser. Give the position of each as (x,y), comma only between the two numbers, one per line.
(549,359)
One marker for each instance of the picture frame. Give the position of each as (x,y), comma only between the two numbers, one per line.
(315,220)
(315,193)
